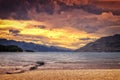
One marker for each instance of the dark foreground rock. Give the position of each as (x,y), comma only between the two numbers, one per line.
(40,63)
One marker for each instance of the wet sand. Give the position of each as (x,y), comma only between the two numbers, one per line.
(61,71)
(57,66)
(84,74)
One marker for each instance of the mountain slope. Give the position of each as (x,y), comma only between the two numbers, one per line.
(104,44)
(33,47)
(10,48)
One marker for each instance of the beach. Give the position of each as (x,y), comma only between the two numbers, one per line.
(59,66)
(83,74)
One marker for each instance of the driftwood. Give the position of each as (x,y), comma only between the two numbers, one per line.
(26,68)
(14,72)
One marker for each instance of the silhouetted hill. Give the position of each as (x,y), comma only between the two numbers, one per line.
(31,47)
(104,44)
(10,48)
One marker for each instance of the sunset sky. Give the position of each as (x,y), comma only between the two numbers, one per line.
(64,23)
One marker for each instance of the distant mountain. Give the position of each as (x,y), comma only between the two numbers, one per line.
(10,48)
(31,47)
(104,44)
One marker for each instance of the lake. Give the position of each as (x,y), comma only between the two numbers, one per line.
(109,59)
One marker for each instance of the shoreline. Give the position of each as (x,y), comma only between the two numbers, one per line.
(57,66)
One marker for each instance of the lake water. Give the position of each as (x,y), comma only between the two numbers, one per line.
(56,57)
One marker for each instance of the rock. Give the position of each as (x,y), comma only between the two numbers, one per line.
(30,67)
(40,63)
(33,67)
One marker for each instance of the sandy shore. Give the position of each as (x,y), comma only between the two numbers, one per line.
(84,74)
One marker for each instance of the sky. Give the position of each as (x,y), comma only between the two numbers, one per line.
(64,23)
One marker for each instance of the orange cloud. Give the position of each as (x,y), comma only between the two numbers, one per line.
(63,37)
(108,4)
(72,27)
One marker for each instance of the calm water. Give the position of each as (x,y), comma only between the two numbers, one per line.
(51,57)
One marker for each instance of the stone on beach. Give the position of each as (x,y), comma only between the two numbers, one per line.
(40,63)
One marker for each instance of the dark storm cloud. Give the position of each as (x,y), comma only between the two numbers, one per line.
(36,26)
(7,7)
(93,9)
(85,38)
(18,9)
(21,7)
(91,6)
(14,32)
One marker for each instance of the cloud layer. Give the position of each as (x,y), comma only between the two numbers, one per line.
(65,23)
(18,9)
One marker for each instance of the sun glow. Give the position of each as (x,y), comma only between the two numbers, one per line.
(42,33)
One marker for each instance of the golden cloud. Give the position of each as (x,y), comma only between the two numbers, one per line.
(63,37)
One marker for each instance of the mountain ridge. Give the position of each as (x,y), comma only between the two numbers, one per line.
(33,47)
(104,44)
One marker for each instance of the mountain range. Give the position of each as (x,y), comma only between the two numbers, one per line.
(104,44)
(31,47)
